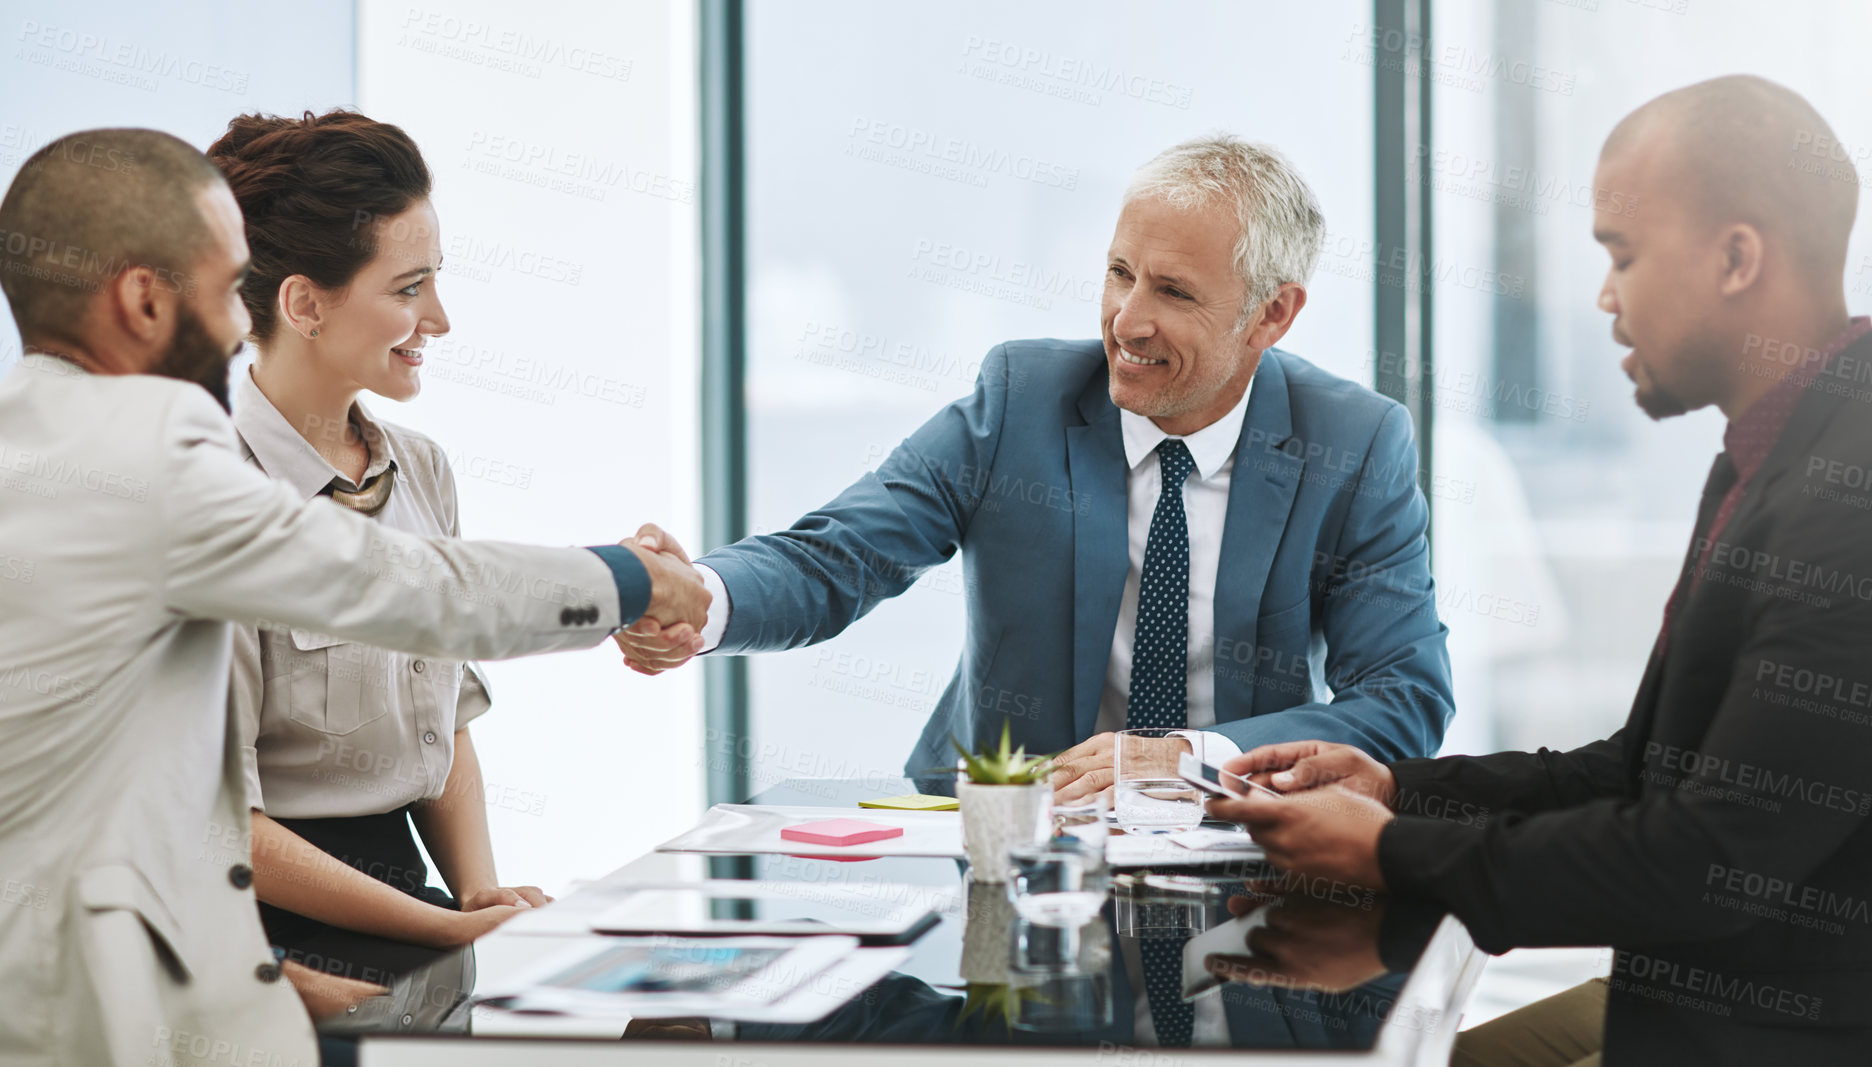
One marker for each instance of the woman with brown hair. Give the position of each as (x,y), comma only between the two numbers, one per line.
(345,746)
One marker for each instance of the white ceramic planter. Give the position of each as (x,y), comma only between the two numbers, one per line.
(995,817)
(987,933)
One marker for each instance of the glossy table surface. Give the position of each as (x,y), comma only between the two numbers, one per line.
(1341,973)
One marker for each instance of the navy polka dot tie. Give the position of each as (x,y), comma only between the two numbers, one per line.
(1172,1017)
(1160,648)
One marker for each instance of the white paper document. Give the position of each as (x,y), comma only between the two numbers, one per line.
(880,911)
(1215,840)
(1192,848)
(755,828)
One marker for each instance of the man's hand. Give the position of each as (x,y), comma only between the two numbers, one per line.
(1299,765)
(1088,769)
(1084,771)
(520,896)
(1330,832)
(669,631)
(327,996)
(651,649)
(1308,944)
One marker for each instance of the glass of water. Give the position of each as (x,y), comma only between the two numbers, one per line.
(1060,883)
(1084,821)
(1148,795)
(1059,887)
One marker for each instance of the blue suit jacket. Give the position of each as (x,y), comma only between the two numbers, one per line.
(1326,624)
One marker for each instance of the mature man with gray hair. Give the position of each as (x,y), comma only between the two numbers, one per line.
(1281,592)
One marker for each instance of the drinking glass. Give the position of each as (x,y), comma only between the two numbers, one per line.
(1147,793)
(1060,883)
(1061,975)
(1085,821)
(1059,888)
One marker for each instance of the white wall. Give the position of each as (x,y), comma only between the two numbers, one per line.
(562,141)
(67,67)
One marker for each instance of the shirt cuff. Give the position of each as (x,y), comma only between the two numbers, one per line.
(250,770)
(719,607)
(633,581)
(472,699)
(1212,748)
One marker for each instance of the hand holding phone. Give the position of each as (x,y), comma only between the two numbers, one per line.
(1215,781)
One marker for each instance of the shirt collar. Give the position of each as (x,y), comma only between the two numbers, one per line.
(1751,436)
(288,457)
(1210,446)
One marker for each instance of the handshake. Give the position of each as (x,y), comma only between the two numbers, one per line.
(670,630)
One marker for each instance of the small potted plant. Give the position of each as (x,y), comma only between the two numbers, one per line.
(987,943)
(1005,800)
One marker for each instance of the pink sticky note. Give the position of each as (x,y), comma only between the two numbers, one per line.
(840,832)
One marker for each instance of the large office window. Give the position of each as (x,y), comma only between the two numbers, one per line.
(564,396)
(1562,511)
(562,138)
(926,181)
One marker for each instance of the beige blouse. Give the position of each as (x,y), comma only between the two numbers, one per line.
(330,729)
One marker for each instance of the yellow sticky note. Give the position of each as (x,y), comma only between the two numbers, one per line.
(913,802)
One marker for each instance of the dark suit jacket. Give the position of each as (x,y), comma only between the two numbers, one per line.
(1720,840)
(1325,613)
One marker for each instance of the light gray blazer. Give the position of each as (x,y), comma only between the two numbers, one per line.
(131,534)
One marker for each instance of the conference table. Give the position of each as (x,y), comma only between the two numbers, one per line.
(1361,978)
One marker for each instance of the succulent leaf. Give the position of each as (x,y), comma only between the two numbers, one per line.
(1004,764)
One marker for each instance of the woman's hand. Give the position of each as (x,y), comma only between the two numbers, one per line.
(518,896)
(455,929)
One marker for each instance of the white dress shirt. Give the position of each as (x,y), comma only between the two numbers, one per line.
(1205,502)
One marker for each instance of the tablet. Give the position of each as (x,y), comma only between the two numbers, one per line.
(661,977)
(875,913)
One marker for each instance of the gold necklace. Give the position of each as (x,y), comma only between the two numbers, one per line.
(369,498)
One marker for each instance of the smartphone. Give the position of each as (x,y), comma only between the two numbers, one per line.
(1214,780)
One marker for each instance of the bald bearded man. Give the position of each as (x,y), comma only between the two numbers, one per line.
(132,537)
(1721,840)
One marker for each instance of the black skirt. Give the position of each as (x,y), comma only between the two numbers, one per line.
(382,847)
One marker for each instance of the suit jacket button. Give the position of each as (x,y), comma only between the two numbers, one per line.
(240,875)
(565,616)
(267,972)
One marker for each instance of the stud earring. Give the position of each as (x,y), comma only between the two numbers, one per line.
(315,333)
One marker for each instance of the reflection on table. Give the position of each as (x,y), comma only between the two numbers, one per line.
(1299,966)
